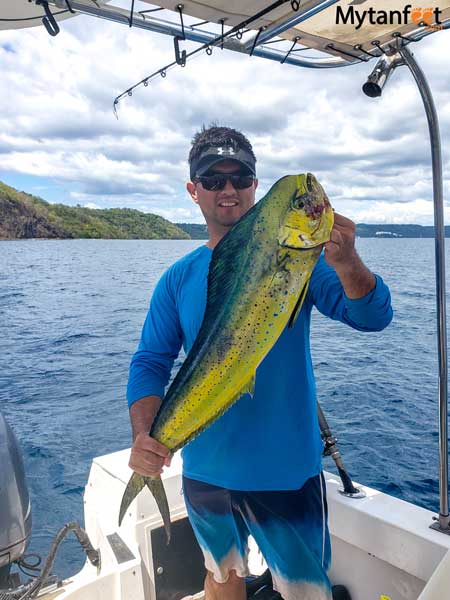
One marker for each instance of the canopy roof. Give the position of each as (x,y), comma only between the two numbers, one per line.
(333,22)
(348,29)
(16,14)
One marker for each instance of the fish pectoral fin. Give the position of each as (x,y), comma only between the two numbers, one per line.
(299,305)
(134,486)
(249,387)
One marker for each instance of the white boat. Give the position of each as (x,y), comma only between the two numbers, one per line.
(383,548)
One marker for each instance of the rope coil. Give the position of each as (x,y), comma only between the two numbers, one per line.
(31,589)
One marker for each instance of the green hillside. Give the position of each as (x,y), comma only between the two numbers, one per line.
(196,231)
(25,216)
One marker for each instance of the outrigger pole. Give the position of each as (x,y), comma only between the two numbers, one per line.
(373,87)
(443,522)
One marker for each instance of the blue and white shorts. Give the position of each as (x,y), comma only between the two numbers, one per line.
(289,526)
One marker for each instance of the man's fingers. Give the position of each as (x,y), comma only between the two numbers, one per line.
(336,237)
(148,458)
(144,465)
(343,221)
(331,247)
(145,442)
(147,465)
(342,228)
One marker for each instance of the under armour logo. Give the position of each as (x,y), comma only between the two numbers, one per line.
(227,151)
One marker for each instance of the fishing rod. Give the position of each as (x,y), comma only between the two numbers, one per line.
(331,449)
(181,57)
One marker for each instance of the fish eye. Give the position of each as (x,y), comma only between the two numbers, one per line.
(300,201)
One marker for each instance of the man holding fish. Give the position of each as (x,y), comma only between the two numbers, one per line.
(244,400)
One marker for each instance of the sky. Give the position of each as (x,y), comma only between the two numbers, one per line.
(60,140)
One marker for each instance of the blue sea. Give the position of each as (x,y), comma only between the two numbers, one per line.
(70,318)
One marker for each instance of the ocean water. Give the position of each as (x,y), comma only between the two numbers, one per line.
(70,318)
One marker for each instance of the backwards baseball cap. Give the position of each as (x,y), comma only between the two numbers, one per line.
(215,154)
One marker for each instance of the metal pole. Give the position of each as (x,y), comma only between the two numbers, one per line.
(443,522)
(149,23)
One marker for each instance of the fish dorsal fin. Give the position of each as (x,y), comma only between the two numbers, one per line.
(299,304)
(227,262)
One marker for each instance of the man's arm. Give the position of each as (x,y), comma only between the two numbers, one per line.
(147,455)
(150,369)
(143,413)
(344,289)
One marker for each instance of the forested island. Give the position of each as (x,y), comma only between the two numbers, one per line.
(24,216)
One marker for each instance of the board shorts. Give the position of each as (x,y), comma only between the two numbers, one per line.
(289,527)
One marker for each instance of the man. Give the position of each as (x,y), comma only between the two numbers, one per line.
(257,469)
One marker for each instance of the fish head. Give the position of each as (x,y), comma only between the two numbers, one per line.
(308,216)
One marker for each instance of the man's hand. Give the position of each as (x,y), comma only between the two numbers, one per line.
(148,457)
(340,250)
(340,253)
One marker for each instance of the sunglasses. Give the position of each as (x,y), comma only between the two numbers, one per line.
(218,181)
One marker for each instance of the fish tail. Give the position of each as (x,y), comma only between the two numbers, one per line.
(155,485)
(134,486)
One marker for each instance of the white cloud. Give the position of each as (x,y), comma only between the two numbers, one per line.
(418,211)
(56,122)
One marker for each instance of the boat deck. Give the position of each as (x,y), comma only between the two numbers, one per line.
(383,547)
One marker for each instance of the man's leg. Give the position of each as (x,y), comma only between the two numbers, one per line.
(232,589)
(290,528)
(222,536)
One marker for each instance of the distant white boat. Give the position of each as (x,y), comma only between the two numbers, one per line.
(388,234)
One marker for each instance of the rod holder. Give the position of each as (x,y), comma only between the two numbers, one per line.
(331,449)
(380,75)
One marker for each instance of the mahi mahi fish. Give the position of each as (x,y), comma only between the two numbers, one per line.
(257,281)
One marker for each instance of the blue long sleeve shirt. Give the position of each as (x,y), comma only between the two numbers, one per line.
(270,441)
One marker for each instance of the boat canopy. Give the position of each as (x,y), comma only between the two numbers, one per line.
(351,30)
(17,14)
(342,23)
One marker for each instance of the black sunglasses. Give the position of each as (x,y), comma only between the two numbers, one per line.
(219,180)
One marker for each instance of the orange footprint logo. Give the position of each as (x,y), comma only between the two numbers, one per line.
(416,15)
(427,16)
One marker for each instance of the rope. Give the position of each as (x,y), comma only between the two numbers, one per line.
(31,590)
